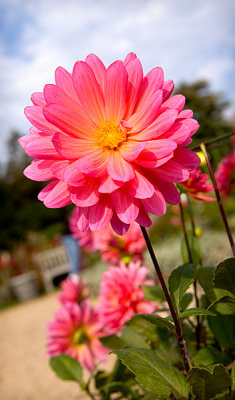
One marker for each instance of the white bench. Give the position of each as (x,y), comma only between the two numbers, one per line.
(51,263)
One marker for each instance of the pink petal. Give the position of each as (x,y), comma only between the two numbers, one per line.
(172,172)
(41,147)
(116,91)
(73,176)
(108,185)
(126,206)
(39,170)
(192,124)
(38,99)
(100,214)
(85,357)
(147,113)
(118,168)
(167,89)
(64,80)
(95,163)
(140,187)
(88,91)
(35,115)
(155,149)
(118,226)
(176,102)
(98,69)
(58,168)
(156,204)
(70,147)
(202,197)
(143,218)
(135,78)
(179,132)
(185,114)
(87,195)
(54,94)
(131,56)
(24,140)
(159,126)
(152,82)
(131,149)
(55,195)
(82,219)
(69,121)
(169,191)
(187,158)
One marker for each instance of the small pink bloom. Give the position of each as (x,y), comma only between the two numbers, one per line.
(225,175)
(111,141)
(114,247)
(73,291)
(196,184)
(75,331)
(122,295)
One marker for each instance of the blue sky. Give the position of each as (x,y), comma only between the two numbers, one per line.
(188,39)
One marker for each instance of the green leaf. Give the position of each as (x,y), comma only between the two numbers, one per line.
(233,376)
(156,320)
(223,328)
(143,327)
(154,293)
(206,385)
(225,305)
(66,368)
(186,300)
(196,311)
(112,342)
(210,355)
(179,281)
(224,277)
(205,277)
(194,248)
(131,338)
(152,373)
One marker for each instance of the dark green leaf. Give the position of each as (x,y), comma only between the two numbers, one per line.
(206,385)
(196,311)
(143,327)
(66,368)
(210,355)
(233,376)
(223,328)
(179,281)
(224,277)
(186,300)
(154,374)
(155,319)
(112,342)
(205,277)
(194,248)
(225,305)
(154,293)
(131,338)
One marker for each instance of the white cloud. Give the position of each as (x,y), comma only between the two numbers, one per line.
(188,39)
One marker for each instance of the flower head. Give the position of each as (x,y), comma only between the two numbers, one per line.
(75,331)
(73,291)
(122,295)
(225,175)
(197,185)
(111,141)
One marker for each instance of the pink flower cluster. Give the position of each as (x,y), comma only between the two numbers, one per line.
(197,185)
(225,175)
(111,141)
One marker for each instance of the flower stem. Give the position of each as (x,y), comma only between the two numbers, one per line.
(218,197)
(198,326)
(181,342)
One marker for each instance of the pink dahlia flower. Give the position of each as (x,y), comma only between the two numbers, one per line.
(225,175)
(72,291)
(111,141)
(114,247)
(75,331)
(122,295)
(197,185)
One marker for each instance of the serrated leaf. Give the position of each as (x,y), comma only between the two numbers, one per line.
(143,327)
(131,338)
(66,368)
(194,249)
(179,281)
(155,375)
(206,385)
(186,300)
(154,293)
(156,320)
(196,311)
(223,328)
(205,277)
(210,355)
(112,342)
(224,277)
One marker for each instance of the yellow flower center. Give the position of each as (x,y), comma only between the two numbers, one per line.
(80,336)
(109,134)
